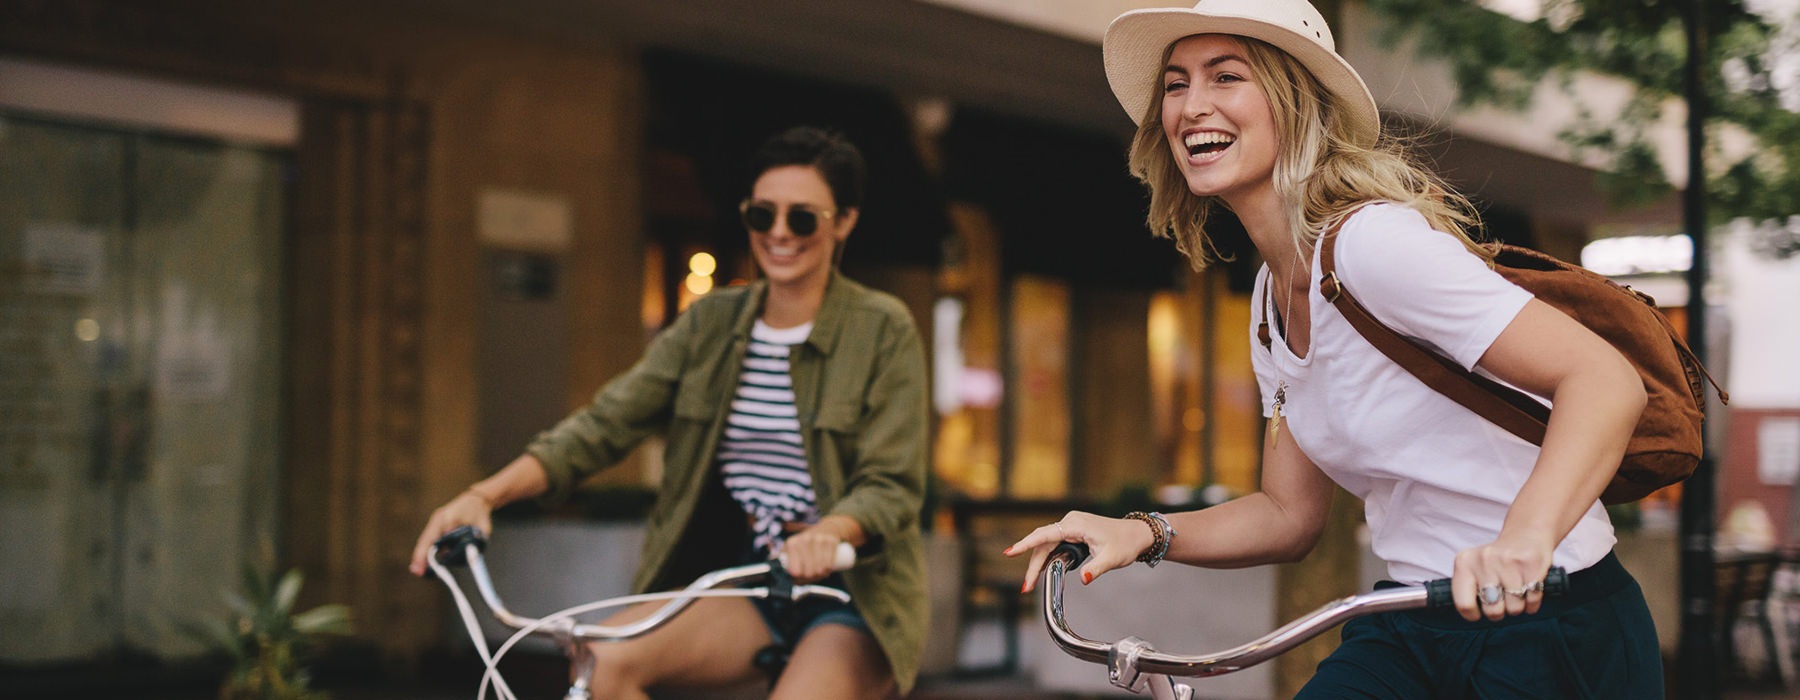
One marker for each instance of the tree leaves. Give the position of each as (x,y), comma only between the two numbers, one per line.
(1497,60)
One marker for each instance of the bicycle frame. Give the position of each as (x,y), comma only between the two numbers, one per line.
(464,545)
(1133,664)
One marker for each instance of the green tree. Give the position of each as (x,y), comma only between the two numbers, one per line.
(1749,79)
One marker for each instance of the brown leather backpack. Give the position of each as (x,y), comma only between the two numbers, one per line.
(1666,445)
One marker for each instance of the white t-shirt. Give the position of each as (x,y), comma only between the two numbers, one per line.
(1434,477)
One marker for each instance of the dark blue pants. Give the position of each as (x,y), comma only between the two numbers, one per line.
(1595,643)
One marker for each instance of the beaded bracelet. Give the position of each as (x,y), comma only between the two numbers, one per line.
(1160,534)
(1166,526)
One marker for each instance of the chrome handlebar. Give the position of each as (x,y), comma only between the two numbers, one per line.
(1131,659)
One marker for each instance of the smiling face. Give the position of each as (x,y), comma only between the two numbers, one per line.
(789,259)
(1218,123)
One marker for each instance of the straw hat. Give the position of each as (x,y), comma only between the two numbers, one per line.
(1135,42)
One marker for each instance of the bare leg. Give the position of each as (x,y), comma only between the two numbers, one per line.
(709,644)
(834,661)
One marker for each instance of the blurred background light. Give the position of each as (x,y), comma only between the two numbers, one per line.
(1636,255)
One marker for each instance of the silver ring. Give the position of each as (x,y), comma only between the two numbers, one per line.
(1526,589)
(1490,595)
(1059,531)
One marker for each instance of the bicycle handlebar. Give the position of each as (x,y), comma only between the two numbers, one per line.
(464,546)
(1130,657)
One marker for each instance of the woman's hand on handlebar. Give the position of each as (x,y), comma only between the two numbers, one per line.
(808,554)
(524,477)
(1113,543)
(1509,565)
(467,508)
(811,554)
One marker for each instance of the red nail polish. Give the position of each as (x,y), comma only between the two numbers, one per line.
(1086,578)
(1024,586)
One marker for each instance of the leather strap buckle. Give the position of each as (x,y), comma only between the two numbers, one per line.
(1329,287)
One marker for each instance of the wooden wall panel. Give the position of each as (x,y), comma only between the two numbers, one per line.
(354,432)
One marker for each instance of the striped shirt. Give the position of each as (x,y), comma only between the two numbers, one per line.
(760,456)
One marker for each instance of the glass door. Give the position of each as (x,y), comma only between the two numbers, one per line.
(140,352)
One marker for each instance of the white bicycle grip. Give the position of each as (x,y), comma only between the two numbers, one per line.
(844,558)
(841,560)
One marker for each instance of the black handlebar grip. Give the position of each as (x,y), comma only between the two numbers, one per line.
(1078,553)
(1556,582)
(451,545)
(1437,592)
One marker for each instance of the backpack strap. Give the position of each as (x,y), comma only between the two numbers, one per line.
(1513,410)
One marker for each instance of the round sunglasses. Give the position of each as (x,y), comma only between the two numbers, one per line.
(802,221)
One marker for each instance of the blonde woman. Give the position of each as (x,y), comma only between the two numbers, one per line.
(1245,105)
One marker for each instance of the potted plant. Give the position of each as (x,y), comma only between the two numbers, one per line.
(267,642)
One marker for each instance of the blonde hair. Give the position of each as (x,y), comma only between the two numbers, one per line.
(1321,173)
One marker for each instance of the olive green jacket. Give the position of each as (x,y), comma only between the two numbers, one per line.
(860,387)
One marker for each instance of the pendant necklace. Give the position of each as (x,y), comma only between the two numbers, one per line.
(1281,386)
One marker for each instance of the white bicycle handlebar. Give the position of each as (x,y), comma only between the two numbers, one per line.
(464,545)
(471,544)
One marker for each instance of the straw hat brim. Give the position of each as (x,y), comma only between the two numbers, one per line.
(1134,44)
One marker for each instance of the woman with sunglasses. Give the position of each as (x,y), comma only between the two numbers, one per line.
(1246,105)
(794,413)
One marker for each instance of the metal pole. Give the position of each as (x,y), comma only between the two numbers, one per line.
(1697,661)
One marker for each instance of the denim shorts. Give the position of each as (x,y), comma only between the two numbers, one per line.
(789,621)
(1597,642)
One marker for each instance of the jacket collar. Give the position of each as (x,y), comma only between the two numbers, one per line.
(834,311)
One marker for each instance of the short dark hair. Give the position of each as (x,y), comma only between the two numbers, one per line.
(838,161)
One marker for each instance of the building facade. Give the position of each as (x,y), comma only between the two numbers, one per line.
(281,277)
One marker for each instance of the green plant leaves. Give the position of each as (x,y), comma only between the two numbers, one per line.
(325,619)
(266,641)
(282,601)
